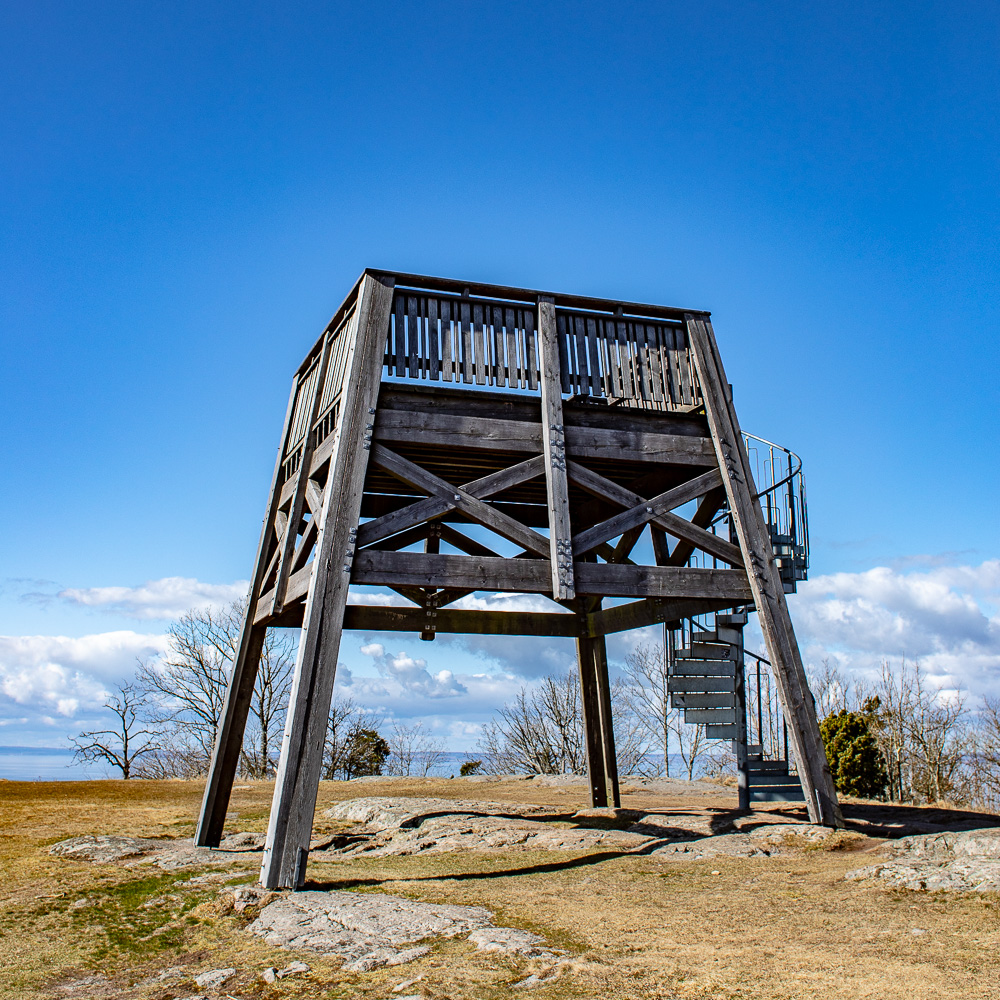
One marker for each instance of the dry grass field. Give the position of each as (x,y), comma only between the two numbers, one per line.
(631,925)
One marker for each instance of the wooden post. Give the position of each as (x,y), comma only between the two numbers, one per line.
(554,445)
(765,582)
(591,700)
(599,652)
(233,721)
(297,781)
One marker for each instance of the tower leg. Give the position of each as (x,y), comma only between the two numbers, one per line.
(765,581)
(297,781)
(609,757)
(593,736)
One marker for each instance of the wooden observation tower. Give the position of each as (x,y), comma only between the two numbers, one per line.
(445,437)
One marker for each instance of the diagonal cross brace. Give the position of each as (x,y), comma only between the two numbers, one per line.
(644,511)
(456,497)
(671,523)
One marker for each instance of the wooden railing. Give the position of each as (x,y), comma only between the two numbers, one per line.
(630,361)
(623,354)
(317,397)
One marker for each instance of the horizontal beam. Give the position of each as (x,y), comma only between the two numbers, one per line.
(653,611)
(420,569)
(529,296)
(448,430)
(373,618)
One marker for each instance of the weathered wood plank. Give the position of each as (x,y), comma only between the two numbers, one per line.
(671,523)
(451,431)
(765,581)
(371,618)
(554,445)
(532,576)
(652,611)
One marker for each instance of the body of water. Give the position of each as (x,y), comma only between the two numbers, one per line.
(46,764)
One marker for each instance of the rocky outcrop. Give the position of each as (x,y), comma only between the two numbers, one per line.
(169,855)
(968,861)
(373,930)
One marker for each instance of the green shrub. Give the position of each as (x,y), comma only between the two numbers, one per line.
(853,755)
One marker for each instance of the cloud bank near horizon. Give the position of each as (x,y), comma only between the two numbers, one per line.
(946,616)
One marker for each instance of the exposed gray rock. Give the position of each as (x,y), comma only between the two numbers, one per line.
(164,853)
(510,941)
(373,930)
(243,842)
(401,826)
(214,978)
(389,812)
(104,849)
(941,862)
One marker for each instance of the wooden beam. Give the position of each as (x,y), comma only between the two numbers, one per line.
(374,618)
(652,611)
(671,523)
(447,430)
(590,700)
(297,781)
(554,443)
(532,576)
(504,525)
(645,511)
(764,578)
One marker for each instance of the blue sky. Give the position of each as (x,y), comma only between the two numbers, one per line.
(188,190)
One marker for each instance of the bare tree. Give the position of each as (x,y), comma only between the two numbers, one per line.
(938,737)
(414,750)
(347,721)
(645,688)
(645,685)
(187,690)
(126,744)
(922,732)
(541,731)
(982,770)
(832,690)
(262,742)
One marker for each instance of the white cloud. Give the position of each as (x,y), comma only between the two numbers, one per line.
(161,599)
(62,675)
(944,616)
(409,674)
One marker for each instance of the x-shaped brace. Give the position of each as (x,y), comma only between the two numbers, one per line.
(639,511)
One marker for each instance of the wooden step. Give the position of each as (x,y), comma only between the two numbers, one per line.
(704,668)
(702,685)
(719,700)
(701,716)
